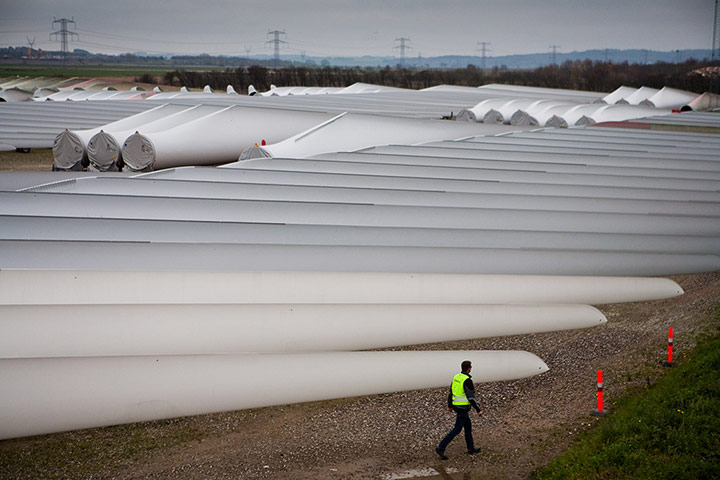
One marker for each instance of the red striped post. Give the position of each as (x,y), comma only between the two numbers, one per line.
(669,362)
(600,410)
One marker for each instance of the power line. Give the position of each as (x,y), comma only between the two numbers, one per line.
(402,48)
(363,46)
(64,33)
(114,48)
(155,40)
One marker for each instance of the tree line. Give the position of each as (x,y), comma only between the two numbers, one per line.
(575,75)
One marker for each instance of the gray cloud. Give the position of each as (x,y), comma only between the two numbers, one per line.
(365,27)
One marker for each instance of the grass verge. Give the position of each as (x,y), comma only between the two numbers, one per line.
(93,453)
(82,70)
(671,430)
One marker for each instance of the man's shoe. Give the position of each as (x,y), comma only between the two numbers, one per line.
(441,453)
(473,451)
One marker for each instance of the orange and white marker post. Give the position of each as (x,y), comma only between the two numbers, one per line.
(600,410)
(669,361)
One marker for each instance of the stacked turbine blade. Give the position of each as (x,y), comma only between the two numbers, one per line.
(138,297)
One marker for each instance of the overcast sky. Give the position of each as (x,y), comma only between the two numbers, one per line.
(361,27)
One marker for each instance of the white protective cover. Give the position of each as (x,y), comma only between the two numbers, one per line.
(581,114)
(492,116)
(60,96)
(552,114)
(620,93)
(359,87)
(642,93)
(354,88)
(620,113)
(70,146)
(508,109)
(15,94)
(68,150)
(45,395)
(556,121)
(671,98)
(216,138)
(521,118)
(527,116)
(706,101)
(321,90)
(102,152)
(478,112)
(341,134)
(43,92)
(105,147)
(84,95)
(539,106)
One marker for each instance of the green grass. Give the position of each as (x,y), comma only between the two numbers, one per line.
(81,70)
(671,430)
(67,71)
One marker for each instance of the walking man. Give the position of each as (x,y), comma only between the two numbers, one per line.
(460,399)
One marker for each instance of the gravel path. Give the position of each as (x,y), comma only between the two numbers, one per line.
(526,422)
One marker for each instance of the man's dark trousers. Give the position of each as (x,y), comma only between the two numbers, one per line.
(461,421)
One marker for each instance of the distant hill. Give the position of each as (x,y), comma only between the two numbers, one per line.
(511,62)
(527,61)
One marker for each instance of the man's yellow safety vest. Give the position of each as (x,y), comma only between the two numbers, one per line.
(458,391)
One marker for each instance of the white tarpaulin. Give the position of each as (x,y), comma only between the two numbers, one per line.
(642,93)
(618,113)
(706,101)
(104,148)
(15,94)
(478,112)
(619,94)
(670,98)
(70,146)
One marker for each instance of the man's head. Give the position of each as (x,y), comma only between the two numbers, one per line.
(466,366)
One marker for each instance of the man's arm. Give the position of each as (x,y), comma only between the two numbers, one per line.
(470,394)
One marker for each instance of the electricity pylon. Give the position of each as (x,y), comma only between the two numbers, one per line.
(64,34)
(276,43)
(553,57)
(484,51)
(31,44)
(402,48)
